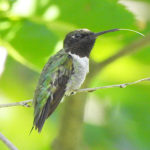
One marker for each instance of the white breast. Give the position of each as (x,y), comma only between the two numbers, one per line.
(81,68)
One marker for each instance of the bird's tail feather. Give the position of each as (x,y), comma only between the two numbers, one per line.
(40,119)
(31,130)
(48,109)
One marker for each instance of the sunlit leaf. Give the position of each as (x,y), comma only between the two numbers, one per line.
(31,42)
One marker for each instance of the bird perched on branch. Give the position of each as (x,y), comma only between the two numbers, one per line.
(64,73)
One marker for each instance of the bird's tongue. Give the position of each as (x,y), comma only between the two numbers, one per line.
(113,30)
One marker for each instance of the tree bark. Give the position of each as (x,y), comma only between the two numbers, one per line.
(70,133)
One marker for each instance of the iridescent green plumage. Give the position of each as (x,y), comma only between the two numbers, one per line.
(51,86)
(64,73)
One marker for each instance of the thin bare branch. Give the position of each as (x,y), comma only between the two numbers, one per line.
(112,86)
(7,142)
(22,103)
(123,85)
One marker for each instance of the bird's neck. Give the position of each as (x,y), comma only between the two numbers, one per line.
(80,50)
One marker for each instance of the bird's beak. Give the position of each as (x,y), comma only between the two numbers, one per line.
(103,32)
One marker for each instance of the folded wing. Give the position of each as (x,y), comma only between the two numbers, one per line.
(51,87)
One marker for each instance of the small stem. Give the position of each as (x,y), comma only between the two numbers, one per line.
(111,86)
(26,103)
(7,142)
(22,103)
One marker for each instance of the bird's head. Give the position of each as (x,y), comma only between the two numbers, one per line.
(81,42)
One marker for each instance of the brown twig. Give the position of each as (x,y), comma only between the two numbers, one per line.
(131,48)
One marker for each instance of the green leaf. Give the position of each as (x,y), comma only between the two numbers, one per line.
(96,15)
(32,42)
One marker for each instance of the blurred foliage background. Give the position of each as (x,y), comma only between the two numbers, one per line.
(32,30)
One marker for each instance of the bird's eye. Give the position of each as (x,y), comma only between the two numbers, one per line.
(76,36)
(73,36)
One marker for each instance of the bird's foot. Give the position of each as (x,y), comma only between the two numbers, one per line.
(70,93)
(73,93)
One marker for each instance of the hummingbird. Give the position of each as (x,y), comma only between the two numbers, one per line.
(63,73)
